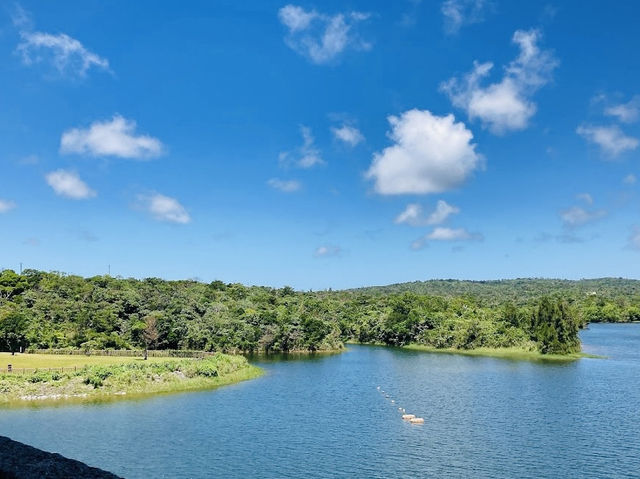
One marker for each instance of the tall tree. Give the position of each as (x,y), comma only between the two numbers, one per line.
(150,333)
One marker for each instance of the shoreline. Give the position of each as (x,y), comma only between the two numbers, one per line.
(513,353)
(120,382)
(19,460)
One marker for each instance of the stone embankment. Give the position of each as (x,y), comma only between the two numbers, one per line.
(19,461)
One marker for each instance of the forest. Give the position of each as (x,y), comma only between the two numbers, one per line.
(51,310)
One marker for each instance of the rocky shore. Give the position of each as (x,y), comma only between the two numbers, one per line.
(19,461)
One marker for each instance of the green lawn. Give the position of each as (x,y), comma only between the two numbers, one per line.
(66,361)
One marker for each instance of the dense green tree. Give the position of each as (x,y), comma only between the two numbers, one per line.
(54,310)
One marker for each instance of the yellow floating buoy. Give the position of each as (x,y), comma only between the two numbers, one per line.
(408,417)
(416,420)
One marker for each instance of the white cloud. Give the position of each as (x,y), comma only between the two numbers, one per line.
(634,238)
(611,139)
(630,179)
(451,234)
(458,13)
(326,251)
(321,37)
(445,234)
(577,216)
(164,208)
(296,18)
(6,205)
(306,156)
(412,215)
(115,137)
(66,54)
(505,105)
(625,112)
(348,134)
(430,154)
(68,184)
(586,197)
(442,212)
(287,186)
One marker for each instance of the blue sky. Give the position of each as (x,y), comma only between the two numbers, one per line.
(327,144)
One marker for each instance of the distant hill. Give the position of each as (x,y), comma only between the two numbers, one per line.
(517,290)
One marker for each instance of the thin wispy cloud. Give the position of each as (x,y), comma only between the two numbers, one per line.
(430,154)
(67,55)
(6,206)
(630,179)
(306,156)
(611,140)
(88,236)
(444,234)
(625,112)
(69,185)
(634,239)
(458,13)
(327,251)
(585,197)
(116,137)
(164,208)
(578,216)
(506,105)
(413,214)
(286,186)
(348,135)
(321,37)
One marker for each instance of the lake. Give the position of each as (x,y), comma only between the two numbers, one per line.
(324,417)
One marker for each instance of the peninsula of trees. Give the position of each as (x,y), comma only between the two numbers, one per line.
(43,310)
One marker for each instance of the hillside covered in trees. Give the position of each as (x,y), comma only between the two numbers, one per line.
(52,310)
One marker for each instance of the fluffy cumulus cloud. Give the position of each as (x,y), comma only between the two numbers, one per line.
(611,140)
(430,154)
(69,184)
(306,156)
(625,112)
(441,233)
(321,37)
(578,216)
(6,205)
(327,251)
(413,214)
(286,186)
(458,13)
(347,134)
(164,208)
(506,105)
(67,55)
(115,137)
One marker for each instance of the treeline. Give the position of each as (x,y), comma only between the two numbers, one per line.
(51,310)
(519,291)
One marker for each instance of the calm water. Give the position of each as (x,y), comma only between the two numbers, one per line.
(324,417)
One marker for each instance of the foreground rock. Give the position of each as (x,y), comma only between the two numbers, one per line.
(19,461)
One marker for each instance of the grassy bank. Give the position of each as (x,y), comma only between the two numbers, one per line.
(43,361)
(113,379)
(503,353)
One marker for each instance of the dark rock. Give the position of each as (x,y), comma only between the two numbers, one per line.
(19,461)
